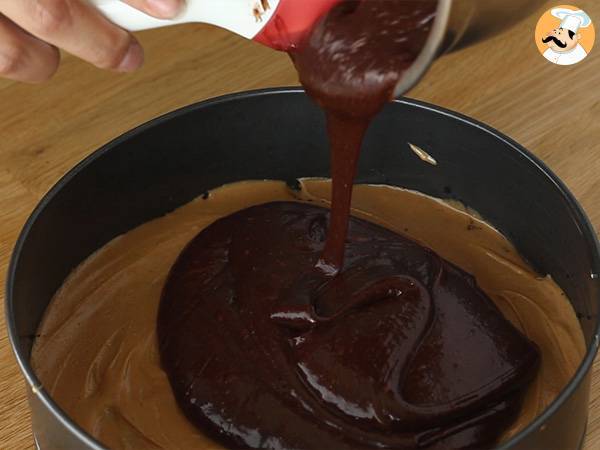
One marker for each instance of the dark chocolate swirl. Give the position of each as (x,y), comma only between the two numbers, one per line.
(400,350)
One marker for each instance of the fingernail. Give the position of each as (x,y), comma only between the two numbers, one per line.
(166,9)
(133,59)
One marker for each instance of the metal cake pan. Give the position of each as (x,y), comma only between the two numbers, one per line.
(280,134)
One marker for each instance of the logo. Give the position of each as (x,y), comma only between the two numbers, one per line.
(565,35)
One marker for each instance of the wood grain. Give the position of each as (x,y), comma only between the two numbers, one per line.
(553,111)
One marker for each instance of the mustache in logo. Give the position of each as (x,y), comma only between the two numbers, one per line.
(556,41)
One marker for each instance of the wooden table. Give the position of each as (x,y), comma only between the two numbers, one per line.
(554,111)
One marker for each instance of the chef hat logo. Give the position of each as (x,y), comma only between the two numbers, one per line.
(570,19)
(565,35)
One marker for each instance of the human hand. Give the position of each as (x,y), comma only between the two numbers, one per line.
(31,31)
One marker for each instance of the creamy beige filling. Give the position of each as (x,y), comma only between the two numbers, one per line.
(97,354)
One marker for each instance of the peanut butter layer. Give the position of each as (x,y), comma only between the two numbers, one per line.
(97,353)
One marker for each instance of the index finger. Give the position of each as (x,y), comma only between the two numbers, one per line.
(78,28)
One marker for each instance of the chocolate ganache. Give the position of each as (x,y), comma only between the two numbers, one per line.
(286,326)
(399,350)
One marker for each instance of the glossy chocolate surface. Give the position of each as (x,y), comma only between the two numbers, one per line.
(400,350)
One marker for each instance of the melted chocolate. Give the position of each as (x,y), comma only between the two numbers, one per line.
(281,327)
(400,350)
(350,65)
(351,61)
